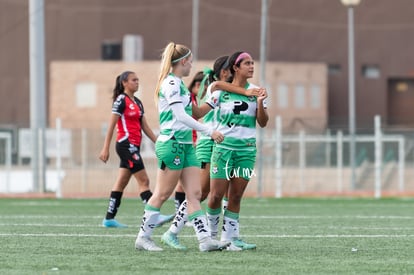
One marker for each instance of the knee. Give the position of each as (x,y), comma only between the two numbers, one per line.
(215,199)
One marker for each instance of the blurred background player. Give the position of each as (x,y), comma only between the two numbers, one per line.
(128,117)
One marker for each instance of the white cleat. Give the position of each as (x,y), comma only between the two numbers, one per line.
(143,243)
(232,247)
(209,244)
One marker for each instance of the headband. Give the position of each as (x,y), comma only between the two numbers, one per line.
(182,57)
(242,56)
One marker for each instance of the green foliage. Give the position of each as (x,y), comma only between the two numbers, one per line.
(293,236)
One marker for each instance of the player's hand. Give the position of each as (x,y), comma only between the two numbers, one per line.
(252,92)
(104,155)
(217,136)
(262,94)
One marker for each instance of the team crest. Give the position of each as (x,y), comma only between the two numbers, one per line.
(215,169)
(177,160)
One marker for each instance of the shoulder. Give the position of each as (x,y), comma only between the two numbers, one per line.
(120,99)
(171,81)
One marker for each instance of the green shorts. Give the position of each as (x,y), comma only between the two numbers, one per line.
(175,155)
(228,164)
(204,150)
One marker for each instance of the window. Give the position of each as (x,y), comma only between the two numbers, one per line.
(85,95)
(282,96)
(300,96)
(371,71)
(334,69)
(315,96)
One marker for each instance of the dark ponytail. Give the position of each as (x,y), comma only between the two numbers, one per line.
(119,87)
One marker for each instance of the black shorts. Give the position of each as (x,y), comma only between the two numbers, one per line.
(130,156)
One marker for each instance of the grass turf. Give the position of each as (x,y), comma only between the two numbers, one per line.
(293,236)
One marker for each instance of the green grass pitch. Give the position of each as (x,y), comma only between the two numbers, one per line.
(293,236)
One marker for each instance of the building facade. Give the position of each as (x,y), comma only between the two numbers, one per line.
(298,31)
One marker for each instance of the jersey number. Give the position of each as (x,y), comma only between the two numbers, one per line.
(177,148)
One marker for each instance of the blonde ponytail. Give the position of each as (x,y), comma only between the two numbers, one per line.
(169,58)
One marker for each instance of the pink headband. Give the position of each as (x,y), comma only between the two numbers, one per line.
(242,56)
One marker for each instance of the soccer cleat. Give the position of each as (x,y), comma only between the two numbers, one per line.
(144,243)
(171,240)
(112,223)
(162,219)
(232,247)
(209,244)
(238,245)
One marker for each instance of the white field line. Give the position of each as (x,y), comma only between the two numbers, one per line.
(49,225)
(319,236)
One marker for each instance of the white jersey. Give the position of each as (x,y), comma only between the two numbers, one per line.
(173,91)
(236,118)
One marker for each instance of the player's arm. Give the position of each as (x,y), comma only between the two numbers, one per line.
(104,155)
(225,86)
(200,111)
(262,116)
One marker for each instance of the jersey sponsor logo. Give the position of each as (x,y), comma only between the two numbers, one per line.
(131,106)
(240,106)
(172,82)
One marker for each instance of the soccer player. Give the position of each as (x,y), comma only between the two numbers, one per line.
(217,77)
(128,117)
(233,160)
(175,151)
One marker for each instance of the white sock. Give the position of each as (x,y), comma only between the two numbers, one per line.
(213,217)
(200,226)
(181,217)
(149,221)
(230,227)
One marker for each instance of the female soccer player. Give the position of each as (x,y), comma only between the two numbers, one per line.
(217,79)
(128,116)
(233,160)
(175,150)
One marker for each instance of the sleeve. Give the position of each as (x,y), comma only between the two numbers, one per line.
(171,90)
(181,115)
(118,106)
(213,98)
